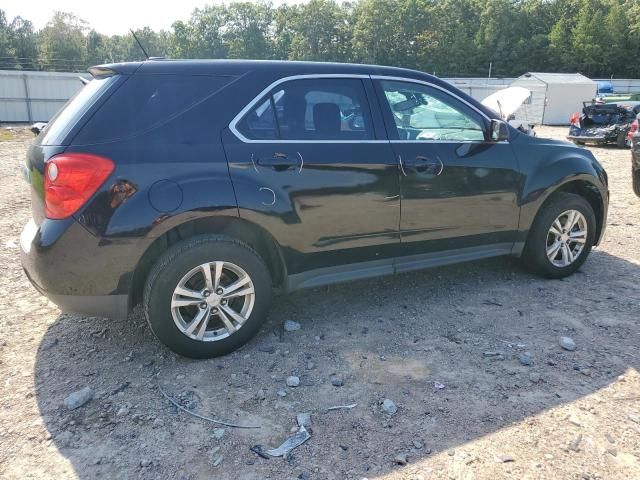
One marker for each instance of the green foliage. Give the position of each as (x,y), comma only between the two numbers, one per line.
(448,37)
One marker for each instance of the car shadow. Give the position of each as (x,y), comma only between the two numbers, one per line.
(444,344)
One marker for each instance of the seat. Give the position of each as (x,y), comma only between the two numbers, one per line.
(327,120)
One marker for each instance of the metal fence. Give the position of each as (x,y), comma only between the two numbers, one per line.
(36,96)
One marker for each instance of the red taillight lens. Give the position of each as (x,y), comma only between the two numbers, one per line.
(69,181)
(575,119)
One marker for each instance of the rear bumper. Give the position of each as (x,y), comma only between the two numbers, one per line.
(582,138)
(65,263)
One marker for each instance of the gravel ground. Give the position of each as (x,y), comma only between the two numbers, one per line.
(418,340)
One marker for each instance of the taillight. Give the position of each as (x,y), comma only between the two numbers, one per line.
(70,179)
(632,129)
(575,119)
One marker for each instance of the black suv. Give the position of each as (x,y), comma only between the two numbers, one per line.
(200,187)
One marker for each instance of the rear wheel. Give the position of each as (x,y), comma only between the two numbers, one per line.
(635,175)
(207,296)
(621,140)
(561,236)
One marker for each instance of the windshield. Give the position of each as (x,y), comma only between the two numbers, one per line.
(63,121)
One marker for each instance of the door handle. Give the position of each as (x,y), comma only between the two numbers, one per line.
(278,161)
(423,164)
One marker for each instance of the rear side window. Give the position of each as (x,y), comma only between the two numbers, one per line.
(147,101)
(311,109)
(67,117)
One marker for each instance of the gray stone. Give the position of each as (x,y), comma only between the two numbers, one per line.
(123,411)
(389,406)
(158,423)
(534,377)
(291,326)
(218,433)
(417,443)
(304,420)
(293,381)
(78,398)
(525,359)
(401,459)
(281,393)
(567,343)
(310,365)
(337,380)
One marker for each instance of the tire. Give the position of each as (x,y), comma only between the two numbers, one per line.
(579,142)
(540,237)
(621,140)
(170,323)
(635,175)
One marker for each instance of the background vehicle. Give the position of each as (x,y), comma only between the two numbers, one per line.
(506,102)
(603,123)
(635,156)
(196,187)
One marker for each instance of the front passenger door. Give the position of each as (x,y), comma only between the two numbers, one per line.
(458,189)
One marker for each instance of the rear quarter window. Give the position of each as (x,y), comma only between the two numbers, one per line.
(68,116)
(146,102)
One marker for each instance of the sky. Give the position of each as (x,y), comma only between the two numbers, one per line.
(111,16)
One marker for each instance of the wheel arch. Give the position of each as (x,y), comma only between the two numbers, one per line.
(583,187)
(250,233)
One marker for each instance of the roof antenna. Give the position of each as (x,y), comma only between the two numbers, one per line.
(139,44)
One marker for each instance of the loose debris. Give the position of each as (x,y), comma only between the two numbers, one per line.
(340,407)
(301,436)
(212,420)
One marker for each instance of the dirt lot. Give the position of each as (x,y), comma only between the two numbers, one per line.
(567,415)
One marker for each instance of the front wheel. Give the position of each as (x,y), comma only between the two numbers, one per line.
(561,237)
(207,296)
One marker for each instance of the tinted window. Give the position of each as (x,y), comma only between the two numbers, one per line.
(260,123)
(424,113)
(145,102)
(313,109)
(67,117)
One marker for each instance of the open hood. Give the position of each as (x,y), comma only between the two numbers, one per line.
(505,102)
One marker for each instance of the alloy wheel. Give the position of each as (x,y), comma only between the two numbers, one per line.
(566,238)
(212,301)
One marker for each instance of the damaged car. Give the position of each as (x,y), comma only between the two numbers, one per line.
(603,123)
(506,102)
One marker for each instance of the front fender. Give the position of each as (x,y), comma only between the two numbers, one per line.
(549,166)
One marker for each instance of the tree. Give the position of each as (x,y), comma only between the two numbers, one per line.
(62,43)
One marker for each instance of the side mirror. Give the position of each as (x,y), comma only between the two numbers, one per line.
(499,131)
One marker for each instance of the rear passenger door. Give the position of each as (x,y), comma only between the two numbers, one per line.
(310,163)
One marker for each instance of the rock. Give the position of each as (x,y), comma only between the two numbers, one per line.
(293,381)
(64,439)
(567,343)
(417,443)
(78,398)
(158,423)
(525,359)
(218,433)
(267,349)
(337,380)
(504,459)
(401,459)
(291,326)
(310,365)
(304,420)
(534,377)
(123,410)
(389,407)
(145,463)
(281,393)
(574,446)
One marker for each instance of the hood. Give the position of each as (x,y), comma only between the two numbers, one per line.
(505,102)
